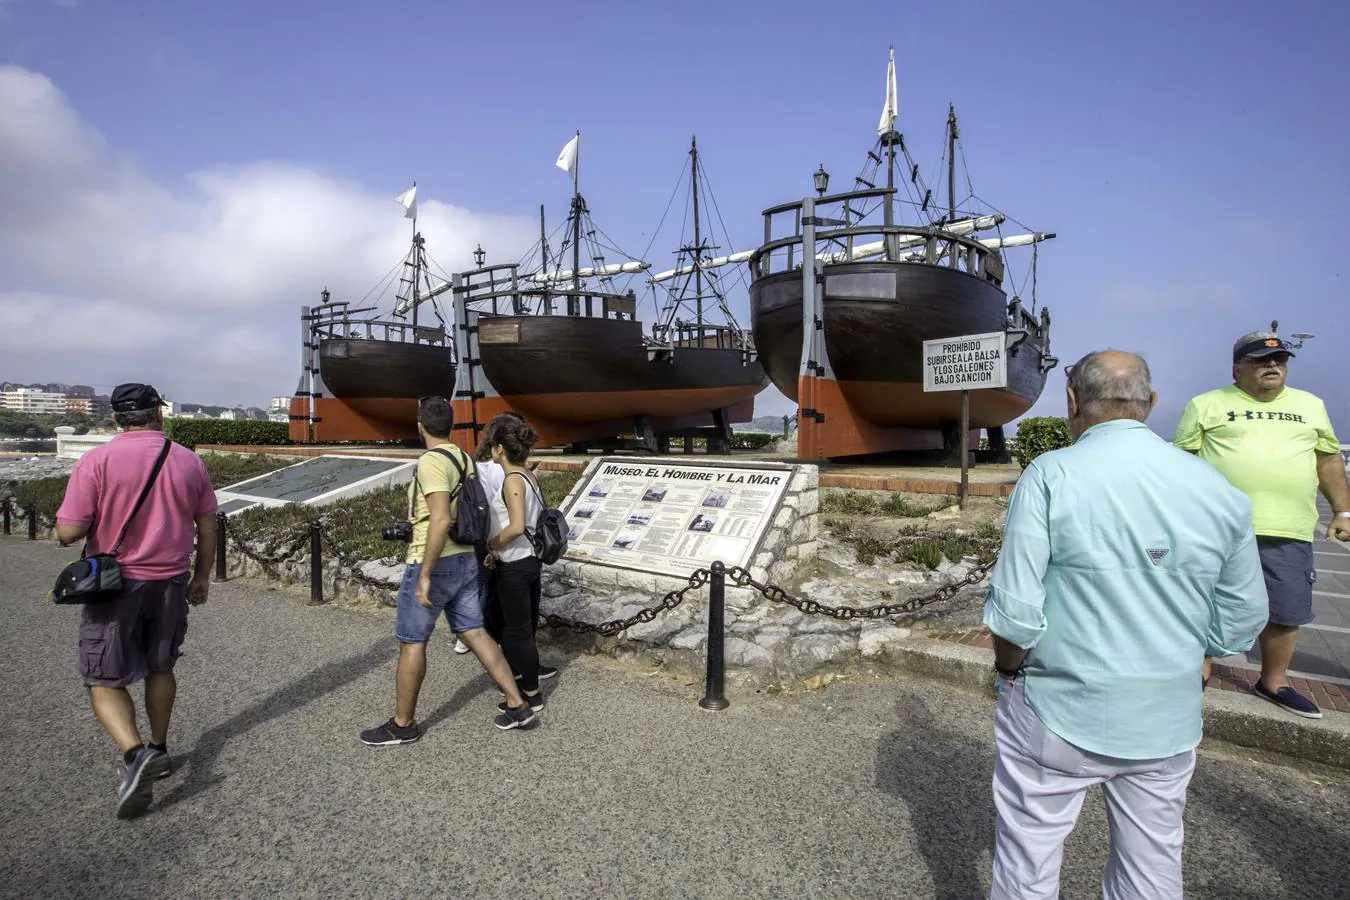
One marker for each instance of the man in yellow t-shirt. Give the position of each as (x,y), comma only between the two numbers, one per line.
(440,578)
(1276,445)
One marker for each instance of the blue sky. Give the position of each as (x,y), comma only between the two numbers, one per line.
(1192,157)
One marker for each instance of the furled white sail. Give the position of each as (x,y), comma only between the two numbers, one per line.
(715,263)
(877,248)
(1016,240)
(888,112)
(408,200)
(600,272)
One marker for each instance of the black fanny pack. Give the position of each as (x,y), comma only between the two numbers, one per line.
(93,579)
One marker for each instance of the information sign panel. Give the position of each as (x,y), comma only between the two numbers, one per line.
(672,517)
(966,363)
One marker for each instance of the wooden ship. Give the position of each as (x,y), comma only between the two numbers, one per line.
(567,349)
(852,357)
(362,372)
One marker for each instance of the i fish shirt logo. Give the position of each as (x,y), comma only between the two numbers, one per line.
(1257,415)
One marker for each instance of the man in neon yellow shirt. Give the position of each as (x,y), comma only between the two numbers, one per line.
(1276,445)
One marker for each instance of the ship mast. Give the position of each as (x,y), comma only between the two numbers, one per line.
(951,163)
(543,260)
(698,240)
(574,301)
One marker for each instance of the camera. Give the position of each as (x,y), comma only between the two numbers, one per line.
(399,531)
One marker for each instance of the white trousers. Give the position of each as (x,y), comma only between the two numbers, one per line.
(1039,784)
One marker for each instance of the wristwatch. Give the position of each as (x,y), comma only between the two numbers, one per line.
(1011,676)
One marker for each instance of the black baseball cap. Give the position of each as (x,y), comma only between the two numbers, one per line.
(1260,347)
(132,397)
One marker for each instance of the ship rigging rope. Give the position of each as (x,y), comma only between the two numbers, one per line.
(383,284)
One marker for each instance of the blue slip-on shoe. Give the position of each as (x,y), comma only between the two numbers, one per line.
(1289,699)
(138,785)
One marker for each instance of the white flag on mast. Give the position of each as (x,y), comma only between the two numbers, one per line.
(567,159)
(408,200)
(889,110)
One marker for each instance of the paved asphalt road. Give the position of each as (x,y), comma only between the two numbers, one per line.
(628,789)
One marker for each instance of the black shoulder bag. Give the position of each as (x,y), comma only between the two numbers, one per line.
(93,579)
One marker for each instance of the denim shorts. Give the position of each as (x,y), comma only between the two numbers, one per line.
(1290,575)
(454,592)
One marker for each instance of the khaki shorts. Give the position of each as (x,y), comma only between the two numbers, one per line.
(139,631)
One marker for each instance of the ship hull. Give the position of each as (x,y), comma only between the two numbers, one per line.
(578,379)
(876,317)
(370,389)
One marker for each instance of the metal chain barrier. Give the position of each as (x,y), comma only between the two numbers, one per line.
(697,579)
(271,559)
(353,569)
(741,578)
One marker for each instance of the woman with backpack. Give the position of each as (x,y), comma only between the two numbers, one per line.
(516,508)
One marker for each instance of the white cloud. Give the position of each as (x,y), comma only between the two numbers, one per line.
(109,275)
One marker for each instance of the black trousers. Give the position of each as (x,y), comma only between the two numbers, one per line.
(512,616)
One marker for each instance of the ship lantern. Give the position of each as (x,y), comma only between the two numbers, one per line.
(478,256)
(821,179)
(325,295)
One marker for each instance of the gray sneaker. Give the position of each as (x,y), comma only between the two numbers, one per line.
(138,784)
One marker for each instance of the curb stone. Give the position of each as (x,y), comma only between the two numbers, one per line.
(1238,719)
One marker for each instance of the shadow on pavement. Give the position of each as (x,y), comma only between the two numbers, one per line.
(1277,832)
(304,690)
(945,783)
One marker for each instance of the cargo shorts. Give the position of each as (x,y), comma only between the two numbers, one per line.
(140,630)
(1290,572)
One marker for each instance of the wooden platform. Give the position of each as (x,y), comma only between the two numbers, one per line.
(985,480)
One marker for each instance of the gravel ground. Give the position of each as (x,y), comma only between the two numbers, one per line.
(626,789)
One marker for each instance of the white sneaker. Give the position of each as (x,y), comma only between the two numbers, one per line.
(461,647)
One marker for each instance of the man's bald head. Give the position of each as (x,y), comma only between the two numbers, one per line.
(1111,384)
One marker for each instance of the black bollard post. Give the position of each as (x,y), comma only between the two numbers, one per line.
(220,547)
(315,562)
(714,696)
(32,521)
(4,511)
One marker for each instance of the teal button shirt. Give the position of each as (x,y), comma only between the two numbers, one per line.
(1125,561)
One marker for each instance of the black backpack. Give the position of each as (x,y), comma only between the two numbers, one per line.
(472,521)
(549,537)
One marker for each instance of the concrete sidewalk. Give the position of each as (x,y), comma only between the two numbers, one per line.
(627,789)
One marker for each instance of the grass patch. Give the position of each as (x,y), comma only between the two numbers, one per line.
(231,468)
(880,503)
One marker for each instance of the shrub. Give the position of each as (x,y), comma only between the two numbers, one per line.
(1041,434)
(191,432)
(46,492)
(751,440)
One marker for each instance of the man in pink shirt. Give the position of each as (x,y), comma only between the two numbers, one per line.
(138,634)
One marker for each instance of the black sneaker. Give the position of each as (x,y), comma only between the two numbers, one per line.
(536,702)
(391,733)
(545,673)
(523,717)
(160,765)
(138,785)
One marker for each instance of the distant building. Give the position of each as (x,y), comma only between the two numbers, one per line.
(230,414)
(32,400)
(280,406)
(79,405)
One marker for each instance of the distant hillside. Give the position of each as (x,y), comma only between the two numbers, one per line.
(765,424)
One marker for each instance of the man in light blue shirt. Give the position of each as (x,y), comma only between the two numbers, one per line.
(1125,562)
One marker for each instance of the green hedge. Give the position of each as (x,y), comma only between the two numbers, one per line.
(751,440)
(191,432)
(1041,434)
